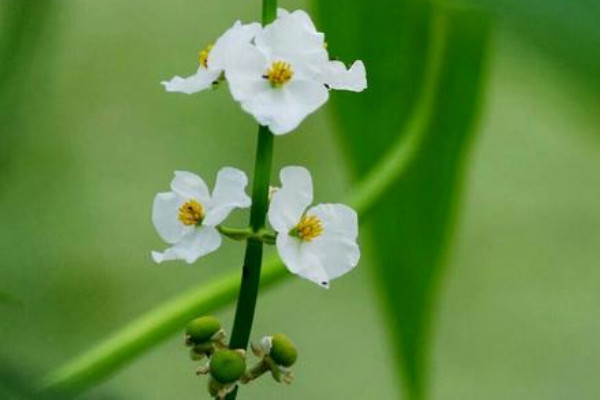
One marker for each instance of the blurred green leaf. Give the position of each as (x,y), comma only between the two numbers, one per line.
(568,30)
(412,222)
(25,33)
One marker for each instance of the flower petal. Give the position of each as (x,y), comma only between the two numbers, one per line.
(165,217)
(336,248)
(245,74)
(337,219)
(283,109)
(190,186)
(203,79)
(299,260)
(229,193)
(282,12)
(289,202)
(227,48)
(292,34)
(197,243)
(336,76)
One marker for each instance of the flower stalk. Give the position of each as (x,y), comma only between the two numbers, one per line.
(263,235)
(246,304)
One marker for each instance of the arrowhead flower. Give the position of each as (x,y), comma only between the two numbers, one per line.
(316,243)
(187,216)
(280,73)
(286,75)
(209,72)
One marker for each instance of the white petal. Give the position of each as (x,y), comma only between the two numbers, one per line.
(165,217)
(283,109)
(245,74)
(227,48)
(292,34)
(289,202)
(229,193)
(203,79)
(336,248)
(190,186)
(299,260)
(336,76)
(337,219)
(200,242)
(338,255)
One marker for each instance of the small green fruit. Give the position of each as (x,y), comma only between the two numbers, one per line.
(283,351)
(202,329)
(227,366)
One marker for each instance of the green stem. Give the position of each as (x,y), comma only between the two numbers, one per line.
(246,304)
(262,235)
(235,233)
(244,314)
(269,11)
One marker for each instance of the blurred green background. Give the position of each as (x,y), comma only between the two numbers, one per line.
(88,136)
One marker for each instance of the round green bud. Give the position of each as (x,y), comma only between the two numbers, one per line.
(227,366)
(202,329)
(283,351)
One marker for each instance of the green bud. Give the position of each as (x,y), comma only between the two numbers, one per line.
(202,329)
(227,366)
(283,351)
(199,351)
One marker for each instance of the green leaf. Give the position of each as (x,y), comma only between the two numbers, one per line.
(25,36)
(413,221)
(569,30)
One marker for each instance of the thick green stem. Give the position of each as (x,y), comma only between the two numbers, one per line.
(269,11)
(244,314)
(246,304)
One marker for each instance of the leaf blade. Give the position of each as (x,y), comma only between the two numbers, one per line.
(414,219)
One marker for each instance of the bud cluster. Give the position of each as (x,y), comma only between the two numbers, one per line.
(228,367)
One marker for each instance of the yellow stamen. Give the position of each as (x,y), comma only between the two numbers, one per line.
(191,212)
(309,228)
(203,56)
(280,73)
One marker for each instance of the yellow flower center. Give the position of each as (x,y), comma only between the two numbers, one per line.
(191,212)
(203,56)
(279,74)
(308,228)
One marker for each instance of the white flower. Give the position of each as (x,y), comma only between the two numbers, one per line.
(286,74)
(318,243)
(209,72)
(187,216)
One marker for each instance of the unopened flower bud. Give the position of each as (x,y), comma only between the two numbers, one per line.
(278,354)
(227,366)
(202,330)
(283,351)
